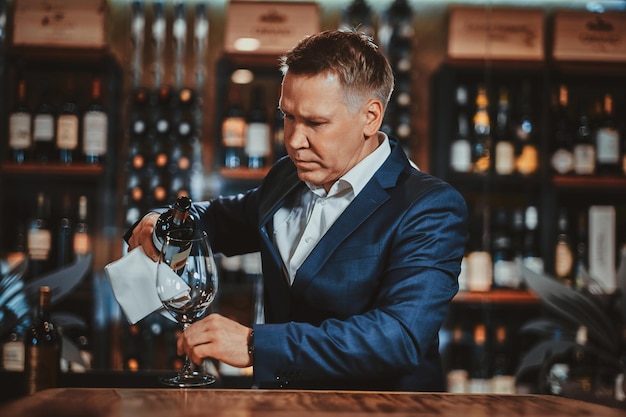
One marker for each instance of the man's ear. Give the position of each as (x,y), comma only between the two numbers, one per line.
(374,113)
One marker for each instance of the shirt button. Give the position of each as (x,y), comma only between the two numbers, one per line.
(322,202)
(308,240)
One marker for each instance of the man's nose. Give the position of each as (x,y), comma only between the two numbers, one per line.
(295,138)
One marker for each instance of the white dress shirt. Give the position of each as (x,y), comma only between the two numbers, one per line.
(307,215)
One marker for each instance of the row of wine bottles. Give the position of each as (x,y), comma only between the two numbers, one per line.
(502,239)
(164,156)
(583,138)
(480,359)
(52,241)
(58,129)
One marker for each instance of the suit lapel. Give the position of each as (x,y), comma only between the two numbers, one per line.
(362,207)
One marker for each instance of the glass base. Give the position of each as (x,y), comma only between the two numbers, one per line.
(194,379)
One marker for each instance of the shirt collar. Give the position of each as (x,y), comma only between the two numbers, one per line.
(360,174)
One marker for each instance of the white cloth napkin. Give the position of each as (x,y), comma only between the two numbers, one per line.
(133,280)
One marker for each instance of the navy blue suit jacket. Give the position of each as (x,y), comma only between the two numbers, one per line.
(366,306)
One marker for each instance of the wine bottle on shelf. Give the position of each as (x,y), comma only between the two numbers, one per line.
(461,149)
(13,350)
(234,126)
(562,160)
(479,372)
(81,244)
(184,125)
(505,271)
(39,239)
(563,251)
(43,348)
(481,144)
(581,267)
(502,379)
(607,141)
(532,254)
(67,126)
(176,219)
(584,151)
(64,251)
(527,156)
(460,360)
(44,147)
(20,137)
(258,131)
(504,154)
(479,262)
(95,127)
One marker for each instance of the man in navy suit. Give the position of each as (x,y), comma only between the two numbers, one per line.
(360,250)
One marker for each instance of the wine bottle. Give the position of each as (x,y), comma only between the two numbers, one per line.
(43,131)
(505,271)
(67,126)
(13,350)
(532,255)
(481,144)
(95,127)
(562,160)
(39,239)
(563,252)
(502,379)
(460,360)
(461,149)
(43,348)
(504,150)
(177,219)
(258,131)
(20,127)
(479,372)
(81,244)
(64,250)
(607,141)
(527,157)
(234,126)
(184,125)
(584,151)
(582,252)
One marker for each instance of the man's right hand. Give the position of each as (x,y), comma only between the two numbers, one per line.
(142,236)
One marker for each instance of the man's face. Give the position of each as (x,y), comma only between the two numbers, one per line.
(324,138)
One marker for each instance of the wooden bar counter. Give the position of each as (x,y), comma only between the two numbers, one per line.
(157,402)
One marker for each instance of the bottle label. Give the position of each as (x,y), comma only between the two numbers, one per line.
(584,159)
(528,161)
(257,143)
(39,241)
(505,158)
(13,356)
(607,142)
(81,243)
(234,132)
(43,128)
(479,271)
(19,130)
(461,156)
(506,274)
(563,260)
(95,133)
(562,161)
(67,131)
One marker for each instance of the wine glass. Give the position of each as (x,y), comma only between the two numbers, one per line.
(186,284)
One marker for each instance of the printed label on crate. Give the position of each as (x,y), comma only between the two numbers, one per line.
(481,33)
(268,28)
(583,36)
(60,23)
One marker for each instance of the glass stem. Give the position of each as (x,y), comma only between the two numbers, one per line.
(188,367)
